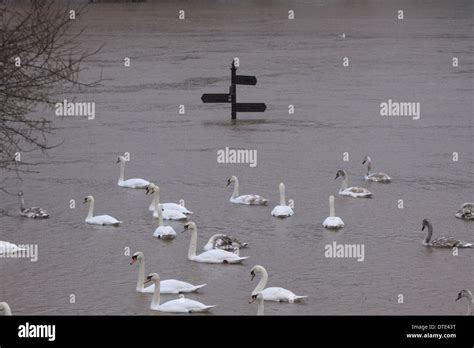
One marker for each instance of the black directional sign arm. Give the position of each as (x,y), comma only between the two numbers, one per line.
(216,98)
(231,97)
(250,107)
(245,80)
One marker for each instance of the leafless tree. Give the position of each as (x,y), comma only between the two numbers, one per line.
(39,53)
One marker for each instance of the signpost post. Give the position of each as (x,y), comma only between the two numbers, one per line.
(232,96)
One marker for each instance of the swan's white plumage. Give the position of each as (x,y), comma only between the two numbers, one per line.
(135,183)
(250,199)
(273,293)
(218,256)
(5,308)
(99,219)
(357,192)
(167,214)
(282,210)
(168,286)
(332,221)
(172,286)
(164,232)
(103,220)
(280,295)
(181,305)
(210,256)
(170,206)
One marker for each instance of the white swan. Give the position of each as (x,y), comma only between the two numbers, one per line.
(34,212)
(466,212)
(377,177)
(171,206)
(467,294)
(99,219)
(8,248)
(259,298)
(224,242)
(169,286)
(181,305)
(442,242)
(332,221)
(162,231)
(244,199)
(282,210)
(210,256)
(273,293)
(135,183)
(5,308)
(168,214)
(168,206)
(357,192)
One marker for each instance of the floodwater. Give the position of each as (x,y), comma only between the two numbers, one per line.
(337,110)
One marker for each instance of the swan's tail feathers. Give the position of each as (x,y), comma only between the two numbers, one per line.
(236,260)
(201,310)
(467,245)
(188,212)
(240,259)
(297,298)
(117,224)
(264,201)
(197,287)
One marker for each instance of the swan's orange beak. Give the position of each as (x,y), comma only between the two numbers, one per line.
(147,281)
(253,299)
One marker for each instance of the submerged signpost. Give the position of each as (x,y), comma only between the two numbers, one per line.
(231,97)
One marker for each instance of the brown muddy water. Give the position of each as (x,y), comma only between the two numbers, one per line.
(337,110)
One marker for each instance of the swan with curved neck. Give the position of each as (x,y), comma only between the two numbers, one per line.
(168,214)
(332,221)
(33,212)
(282,210)
(162,231)
(181,305)
(468,295)
(99,219)
(210,256)
(244,199)
(357,192)
(259,298)
(169,286)
(5,308)
(135,183)
(376,177)
(224,242)
(442,242)
(166,206)
(274,293)
(466,212)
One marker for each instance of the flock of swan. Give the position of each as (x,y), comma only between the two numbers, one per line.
(223,249)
